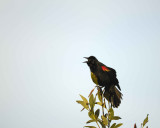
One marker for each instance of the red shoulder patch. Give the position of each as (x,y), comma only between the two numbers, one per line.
(105,68)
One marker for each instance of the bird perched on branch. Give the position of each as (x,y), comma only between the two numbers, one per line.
(105,77)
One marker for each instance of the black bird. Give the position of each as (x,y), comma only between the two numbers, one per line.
(105,77)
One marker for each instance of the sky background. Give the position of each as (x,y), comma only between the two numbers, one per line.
(42,45)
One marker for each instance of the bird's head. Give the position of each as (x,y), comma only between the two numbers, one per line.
(91,62)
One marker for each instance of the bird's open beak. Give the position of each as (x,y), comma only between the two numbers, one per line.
(85,61)
(86,58)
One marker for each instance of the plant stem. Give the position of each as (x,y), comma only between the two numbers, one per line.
(108,113)
(102,106)
(98,124)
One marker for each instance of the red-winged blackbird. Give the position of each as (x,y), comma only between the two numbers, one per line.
(106,77)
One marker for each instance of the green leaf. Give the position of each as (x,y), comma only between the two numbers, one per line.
(118,125)
(90,121)
(105,121)
(99,103)
(113,125)
(116,118)
(91,92)
(82,109)
(101,123)
(97,113)
(84,99)
(111,113)
(145,120)
(94,99)
(100,94)
(80,102)
(83,104)
(90,126)
(104,104)
(91,114)
(91,101)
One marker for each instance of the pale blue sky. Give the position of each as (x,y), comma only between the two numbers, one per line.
(42,45)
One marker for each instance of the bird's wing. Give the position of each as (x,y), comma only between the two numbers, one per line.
(112,74)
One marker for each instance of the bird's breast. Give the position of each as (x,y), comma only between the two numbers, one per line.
(94,78)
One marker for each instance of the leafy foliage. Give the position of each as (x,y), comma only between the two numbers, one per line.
(107,116)
(145,121)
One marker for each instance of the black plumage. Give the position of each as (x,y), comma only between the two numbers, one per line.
(107,78)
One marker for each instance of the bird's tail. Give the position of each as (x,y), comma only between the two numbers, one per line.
(113,95)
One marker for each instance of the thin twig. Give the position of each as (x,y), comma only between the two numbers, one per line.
(102,105)
(108,113)
(97,124)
